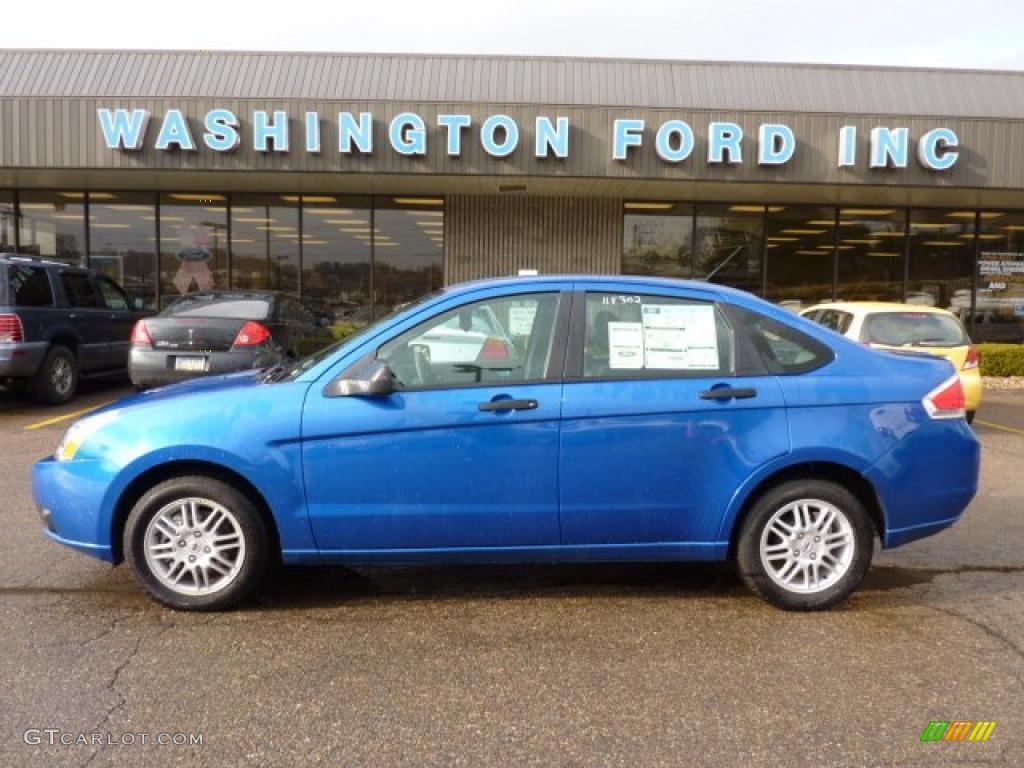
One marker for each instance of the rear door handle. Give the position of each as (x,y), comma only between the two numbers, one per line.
(728,393)
(508,405)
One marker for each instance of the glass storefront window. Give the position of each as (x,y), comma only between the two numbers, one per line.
(122,241)
(336,248)
(408,256)
(53,225)
(265,242)
(193,244)
(999,306)
(941,260)
(6,222)
(657,239)
(799,253)
(871,254)
(730,242)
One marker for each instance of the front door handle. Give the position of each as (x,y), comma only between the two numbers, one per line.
(728,393)
(508,405)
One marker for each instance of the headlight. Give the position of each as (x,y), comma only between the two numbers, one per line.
(79,432)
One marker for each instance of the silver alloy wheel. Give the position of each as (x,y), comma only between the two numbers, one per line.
(61,375)
(194,546)
(807,546)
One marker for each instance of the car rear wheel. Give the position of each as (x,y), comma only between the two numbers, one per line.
(196,543)
(57,378)
(970,417)
(806,545)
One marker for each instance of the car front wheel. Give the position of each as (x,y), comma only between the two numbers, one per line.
(805,545)
(196,543)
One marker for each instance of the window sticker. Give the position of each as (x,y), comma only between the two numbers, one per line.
(520,319)
(680,337)
(625,345)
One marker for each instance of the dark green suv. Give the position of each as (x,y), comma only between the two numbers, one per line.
(58,322)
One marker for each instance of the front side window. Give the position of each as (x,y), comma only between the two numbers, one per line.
(636,336)
(80,290)
(506,340)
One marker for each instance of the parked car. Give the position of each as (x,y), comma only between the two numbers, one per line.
(59,322)
(918,327)
(646,419)
(215,332)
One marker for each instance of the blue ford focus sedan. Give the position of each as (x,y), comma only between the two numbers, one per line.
(530,419)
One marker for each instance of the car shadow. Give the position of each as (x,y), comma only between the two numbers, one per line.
(298,588)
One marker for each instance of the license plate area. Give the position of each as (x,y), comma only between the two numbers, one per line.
(191,364)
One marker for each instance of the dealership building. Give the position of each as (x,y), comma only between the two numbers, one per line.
(362,181)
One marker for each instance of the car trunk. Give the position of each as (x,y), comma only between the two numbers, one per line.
(956,355)
(194,334)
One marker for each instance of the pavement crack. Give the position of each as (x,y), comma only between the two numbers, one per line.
(995,634)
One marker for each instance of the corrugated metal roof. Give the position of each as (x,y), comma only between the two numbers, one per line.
(513,80)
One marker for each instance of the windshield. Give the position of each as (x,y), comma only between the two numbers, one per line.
(291,371)
(914,329)
(237,306)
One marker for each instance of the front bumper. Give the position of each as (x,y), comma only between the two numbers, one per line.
(69,496)
(155,368)
(21,360)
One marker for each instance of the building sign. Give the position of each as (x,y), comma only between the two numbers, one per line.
(500,136)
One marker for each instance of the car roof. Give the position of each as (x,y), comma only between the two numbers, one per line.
(611,280)
(868,307)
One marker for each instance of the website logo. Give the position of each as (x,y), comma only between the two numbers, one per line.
(958,730)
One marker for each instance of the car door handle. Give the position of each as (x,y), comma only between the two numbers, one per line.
(728,393)
(508,405)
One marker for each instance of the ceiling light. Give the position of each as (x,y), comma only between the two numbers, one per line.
(784,239)
(196,197)
(929,225)
(802,231)
(420,214)
(814,253)
(889,234)
(110,226)
(327,211)
(943,243)
(885,254)
(865,211)
(278,228)
(648,206)
(252,219)
(859,242)
(971,214)
(383,245)
(418,200)
(237,240)
(347,221)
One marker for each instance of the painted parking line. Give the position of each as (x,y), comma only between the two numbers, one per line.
(66,416)
(990,425)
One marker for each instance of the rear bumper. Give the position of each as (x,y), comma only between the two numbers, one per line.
(21,359)
(154,368)
(927,481)
(971,381)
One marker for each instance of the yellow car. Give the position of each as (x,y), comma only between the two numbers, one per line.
(888,325)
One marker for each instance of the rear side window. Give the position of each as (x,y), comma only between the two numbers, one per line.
(835,320)
(921,329)
(80,290)
(29,287)
(236,307)
(785,350)
(635,336)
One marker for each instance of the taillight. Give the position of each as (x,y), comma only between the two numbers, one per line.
(140,334)
(494,349)
(973,358)
(252,333)
(11,329)
(946,401)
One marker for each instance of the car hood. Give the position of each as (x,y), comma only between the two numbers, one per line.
(202,385)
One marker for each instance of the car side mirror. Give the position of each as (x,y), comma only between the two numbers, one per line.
(371,378)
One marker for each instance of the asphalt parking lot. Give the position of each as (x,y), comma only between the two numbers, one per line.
(568,666)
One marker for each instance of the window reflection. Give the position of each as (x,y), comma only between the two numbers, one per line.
(729,245)
(193,243)
(7,221)
(122,241)
(408,242)
(265,242)
(799,251)
(941,260)
(336,259)
(999,307)
(53,225)
(657,239)
(871,254)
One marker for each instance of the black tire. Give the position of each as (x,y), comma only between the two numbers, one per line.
(250,523)
(754,572)
(56,381)
(970,417)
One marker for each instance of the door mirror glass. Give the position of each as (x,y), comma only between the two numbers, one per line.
(371,378)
